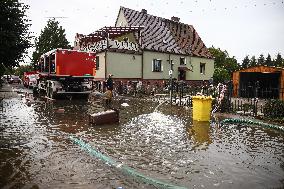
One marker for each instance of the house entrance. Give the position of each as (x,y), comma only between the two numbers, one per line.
(182,75)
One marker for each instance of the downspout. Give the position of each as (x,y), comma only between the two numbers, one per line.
(106,60)
(171,79)
(281,91)
(105,65)
(142,58)
(142,66)
(106,56)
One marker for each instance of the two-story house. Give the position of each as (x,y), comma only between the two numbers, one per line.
(143,47)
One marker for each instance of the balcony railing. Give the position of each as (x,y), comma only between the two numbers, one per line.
(112,44)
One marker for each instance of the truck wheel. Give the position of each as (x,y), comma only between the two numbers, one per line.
(47,92)
(35,90)
(50,93)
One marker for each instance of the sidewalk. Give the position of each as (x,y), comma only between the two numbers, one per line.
(6,91)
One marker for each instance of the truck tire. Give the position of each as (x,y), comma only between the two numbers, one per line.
(51,95)
(35,90)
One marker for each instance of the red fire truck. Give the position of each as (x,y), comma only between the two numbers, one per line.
(30,79)
(66,72)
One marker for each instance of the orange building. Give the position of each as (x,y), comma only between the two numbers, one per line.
(259,81)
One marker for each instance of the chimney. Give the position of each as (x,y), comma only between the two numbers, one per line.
(144,11)
(175,19)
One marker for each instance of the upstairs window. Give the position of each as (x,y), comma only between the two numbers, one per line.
(157,65)
(97,62)
(202,68)
(182,61)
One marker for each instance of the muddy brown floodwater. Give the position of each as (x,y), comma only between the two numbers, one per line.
(36,152)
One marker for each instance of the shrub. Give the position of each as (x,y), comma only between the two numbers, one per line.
(274,109)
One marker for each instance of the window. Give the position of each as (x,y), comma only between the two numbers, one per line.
(202,68)
(46,64)
(157,65)
(97,62)
(52,66)
(182,61)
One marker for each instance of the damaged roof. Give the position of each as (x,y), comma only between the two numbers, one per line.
(164,35)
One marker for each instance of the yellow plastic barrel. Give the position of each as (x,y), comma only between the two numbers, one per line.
(201,107)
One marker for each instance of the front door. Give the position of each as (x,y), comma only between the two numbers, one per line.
(182,74)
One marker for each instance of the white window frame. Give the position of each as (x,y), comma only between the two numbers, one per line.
(154,61)
(184,62)
(202,68)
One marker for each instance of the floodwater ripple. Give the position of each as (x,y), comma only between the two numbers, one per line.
(35,150)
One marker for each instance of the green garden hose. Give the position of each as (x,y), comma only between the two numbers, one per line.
(122,167)
(251,122)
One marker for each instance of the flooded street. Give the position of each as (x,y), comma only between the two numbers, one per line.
(36,150)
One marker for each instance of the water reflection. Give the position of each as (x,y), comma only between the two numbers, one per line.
(200,132)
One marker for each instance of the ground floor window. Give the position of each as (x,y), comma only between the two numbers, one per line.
(157,65)
(202,68)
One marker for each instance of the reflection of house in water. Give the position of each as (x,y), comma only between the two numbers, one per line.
(143,47)
(259,81)
(200,133)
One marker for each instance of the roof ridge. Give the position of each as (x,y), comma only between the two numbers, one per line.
(159,17)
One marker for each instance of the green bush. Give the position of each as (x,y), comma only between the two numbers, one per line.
(274,109)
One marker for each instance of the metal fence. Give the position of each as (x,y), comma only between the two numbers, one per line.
(251,100)
(252,103)
(263,93)
(249,106)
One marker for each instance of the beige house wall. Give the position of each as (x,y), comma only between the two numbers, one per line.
(148,57)
(196,75)
(123,65)
(100,73)
(121,20)
(193,63)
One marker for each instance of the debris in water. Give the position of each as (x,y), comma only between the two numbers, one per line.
(60,110)
(124,104)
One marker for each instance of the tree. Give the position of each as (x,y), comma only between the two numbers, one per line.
(278,61)
(246,62)
(14,34)
(219,56)
(51,37)
(268,60)
(252,61)
(23,68)
(221,75)
(224,65)
(261,60)
(231,65)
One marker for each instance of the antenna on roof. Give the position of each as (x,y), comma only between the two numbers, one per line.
(55,17)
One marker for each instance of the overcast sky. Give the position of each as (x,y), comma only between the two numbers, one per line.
(242,27)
